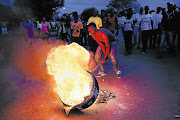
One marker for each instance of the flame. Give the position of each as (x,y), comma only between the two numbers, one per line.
(69,65)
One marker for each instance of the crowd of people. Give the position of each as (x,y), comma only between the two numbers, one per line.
(156,30)
(146,29)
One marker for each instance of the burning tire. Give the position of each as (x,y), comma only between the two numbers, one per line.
(88,101)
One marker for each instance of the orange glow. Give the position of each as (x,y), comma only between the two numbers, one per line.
(69,65)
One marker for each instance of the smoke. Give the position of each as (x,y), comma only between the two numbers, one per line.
(32,61)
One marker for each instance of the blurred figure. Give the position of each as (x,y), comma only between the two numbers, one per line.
(52,28)
(112,22)
(45,32)
(137,29)
(4,25)
(84,33)
(3,41)
(104,18)
(28,26)
(146,24)
(123,16)
(157,32)
(179,31)
(63,30)
(171,27)
(127,26)
(76,31)
(39,29)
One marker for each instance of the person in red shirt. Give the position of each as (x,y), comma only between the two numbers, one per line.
(107,45)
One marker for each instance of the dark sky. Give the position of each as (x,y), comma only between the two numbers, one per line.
(79,5)
(6,2)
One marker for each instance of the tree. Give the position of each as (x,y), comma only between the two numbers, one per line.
(8,14)
(87,13)
(120,5)
(38,8)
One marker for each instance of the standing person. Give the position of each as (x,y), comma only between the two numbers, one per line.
(127,26)
(107,45)
(97,20)
(39,28)
(112,22)
(28,26)
(171,27)
(68,25)
(123,15)
(157,18)
(103,18)
(146,27)
(179,32)
(137,30)
(4,25)
(45,32)
(84,33)
(63,30)
(76,31)
(52,28)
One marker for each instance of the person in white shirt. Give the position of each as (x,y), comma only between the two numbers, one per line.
(157,18)
(137,30)
(39,28)
(127,25)
(146,24)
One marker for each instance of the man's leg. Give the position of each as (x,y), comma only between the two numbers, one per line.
(172,43)
(97,59)
(126,42)
(130,42)
(159,33)
(112,56)
(150,37)
(154,39)
(135,32)
(139,40)
(143,34)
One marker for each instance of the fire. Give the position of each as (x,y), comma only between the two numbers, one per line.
(69,65)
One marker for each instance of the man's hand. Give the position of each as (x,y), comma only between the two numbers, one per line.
(103,60)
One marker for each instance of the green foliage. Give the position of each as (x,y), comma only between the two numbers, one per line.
(119,5)
(87,13)
(38,8)
(8,14)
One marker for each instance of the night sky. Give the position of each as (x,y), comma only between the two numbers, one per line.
(80,5)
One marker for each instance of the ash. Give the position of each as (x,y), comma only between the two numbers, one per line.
(105,96)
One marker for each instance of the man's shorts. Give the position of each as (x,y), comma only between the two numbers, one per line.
(4,31)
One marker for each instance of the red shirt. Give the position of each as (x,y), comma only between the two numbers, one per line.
(76,27)
(103,41)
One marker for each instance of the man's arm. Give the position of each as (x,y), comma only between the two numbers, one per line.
(106,41)
(107,49)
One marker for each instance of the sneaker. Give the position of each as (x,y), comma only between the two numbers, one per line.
(100,74)
(143,53)
(118,74)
